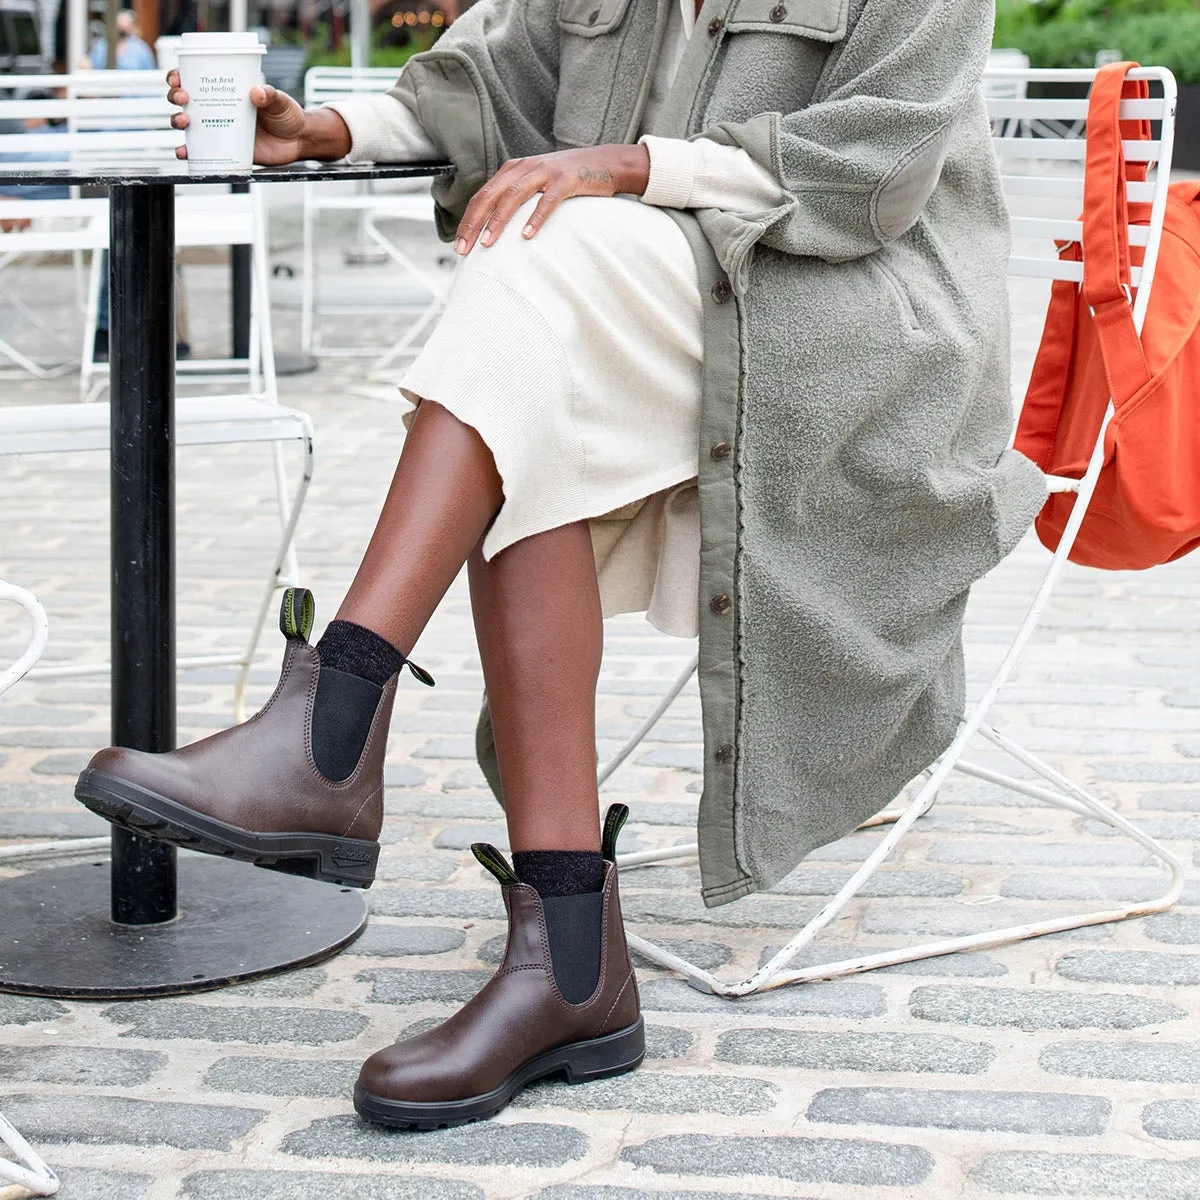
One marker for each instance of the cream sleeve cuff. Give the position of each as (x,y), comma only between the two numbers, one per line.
(706,174)
(383,130)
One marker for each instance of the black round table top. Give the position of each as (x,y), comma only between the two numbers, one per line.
(13,173)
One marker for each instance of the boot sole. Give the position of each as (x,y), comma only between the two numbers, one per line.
(578,1062)
(348,862)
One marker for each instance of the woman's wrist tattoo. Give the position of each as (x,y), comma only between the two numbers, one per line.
(598,176)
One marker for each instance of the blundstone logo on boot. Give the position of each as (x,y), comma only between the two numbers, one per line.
(344,858)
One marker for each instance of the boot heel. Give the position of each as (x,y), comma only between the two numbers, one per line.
(350,863)
(609,1055)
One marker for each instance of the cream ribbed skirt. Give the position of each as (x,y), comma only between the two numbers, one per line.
(576,355)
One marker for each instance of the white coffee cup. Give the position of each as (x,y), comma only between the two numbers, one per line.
(217,70)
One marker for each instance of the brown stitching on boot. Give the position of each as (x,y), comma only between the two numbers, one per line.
(613,1008)
(358,813)
(289,659)
(520,967)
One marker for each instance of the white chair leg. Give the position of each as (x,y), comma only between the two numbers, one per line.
(1062,793)
(38,635)
(28,1170)
(307,272)
(285,548)
(91,321)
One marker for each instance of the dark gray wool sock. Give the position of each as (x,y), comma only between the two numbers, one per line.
(560,872)
(357,650)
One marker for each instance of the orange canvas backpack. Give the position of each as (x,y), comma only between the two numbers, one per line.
(1146,507)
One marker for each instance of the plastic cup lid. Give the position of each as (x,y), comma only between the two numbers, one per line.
(220,42)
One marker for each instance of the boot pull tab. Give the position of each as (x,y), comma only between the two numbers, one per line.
(297,612)
(614,822)
(419,673)
(492,860)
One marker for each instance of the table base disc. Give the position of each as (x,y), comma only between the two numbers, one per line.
(236,922)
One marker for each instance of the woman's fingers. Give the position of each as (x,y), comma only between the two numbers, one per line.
(552,197)
(173,77)
(480,211)
(181,152)
(177,96)
(179,121)
(509,200)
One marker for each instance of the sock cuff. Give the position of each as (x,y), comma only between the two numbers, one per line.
(560,872)
(357,650)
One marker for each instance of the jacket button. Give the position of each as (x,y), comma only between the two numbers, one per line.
(721,291)
(720,604)
(724,754)
(778,13)
(715,26)
(721,450)
(594,17)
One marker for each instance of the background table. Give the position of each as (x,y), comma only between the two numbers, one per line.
(162,927)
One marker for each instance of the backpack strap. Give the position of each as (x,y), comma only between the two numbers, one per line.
(1107,289)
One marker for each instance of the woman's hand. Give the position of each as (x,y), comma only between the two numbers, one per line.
(286,133)
(597,171)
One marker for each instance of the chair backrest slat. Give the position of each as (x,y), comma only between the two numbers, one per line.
(1042,176)
(336,83)
(1066,110)
(1071,149)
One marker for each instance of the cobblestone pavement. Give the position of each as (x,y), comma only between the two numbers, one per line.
(1066,1066)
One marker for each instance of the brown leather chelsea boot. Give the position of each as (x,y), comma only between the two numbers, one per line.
(518,1028)
(257,792)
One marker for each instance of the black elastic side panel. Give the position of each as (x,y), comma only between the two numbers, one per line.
(573,923)
(342,714)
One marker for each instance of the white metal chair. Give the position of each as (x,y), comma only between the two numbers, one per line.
(101,114)
(27,1169)
(426,299)
(253,416)
(1029,173)
(1011,86)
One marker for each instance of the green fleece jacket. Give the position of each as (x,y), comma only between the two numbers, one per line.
(856,359)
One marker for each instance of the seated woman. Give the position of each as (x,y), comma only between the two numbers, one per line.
(728,345)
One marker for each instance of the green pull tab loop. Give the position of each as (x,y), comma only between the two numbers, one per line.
(614,822)
(492,860)
(297,613)
(419,673)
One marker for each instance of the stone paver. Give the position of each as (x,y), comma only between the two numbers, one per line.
(1065,1066)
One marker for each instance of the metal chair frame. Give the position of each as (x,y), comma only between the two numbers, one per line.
(252,416)
(27,1170)
(322,84)
(1054,788)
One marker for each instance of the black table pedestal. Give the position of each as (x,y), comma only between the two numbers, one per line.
(67,931)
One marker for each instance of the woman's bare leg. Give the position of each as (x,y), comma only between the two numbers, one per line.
(537,618)
(538,622)
(443,496)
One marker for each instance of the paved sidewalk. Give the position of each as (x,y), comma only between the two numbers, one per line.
(1066,1066)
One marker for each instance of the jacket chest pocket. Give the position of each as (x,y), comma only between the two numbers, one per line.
(764,69)
(820,20)
(589,43)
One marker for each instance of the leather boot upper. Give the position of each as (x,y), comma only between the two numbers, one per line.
(260,775)
(518,1014)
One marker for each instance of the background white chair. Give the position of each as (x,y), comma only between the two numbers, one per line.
(205,218)
(1041,177)
(420,294)
(27,1169)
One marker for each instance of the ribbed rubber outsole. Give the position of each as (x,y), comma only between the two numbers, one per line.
(578,1062)
(348,862)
